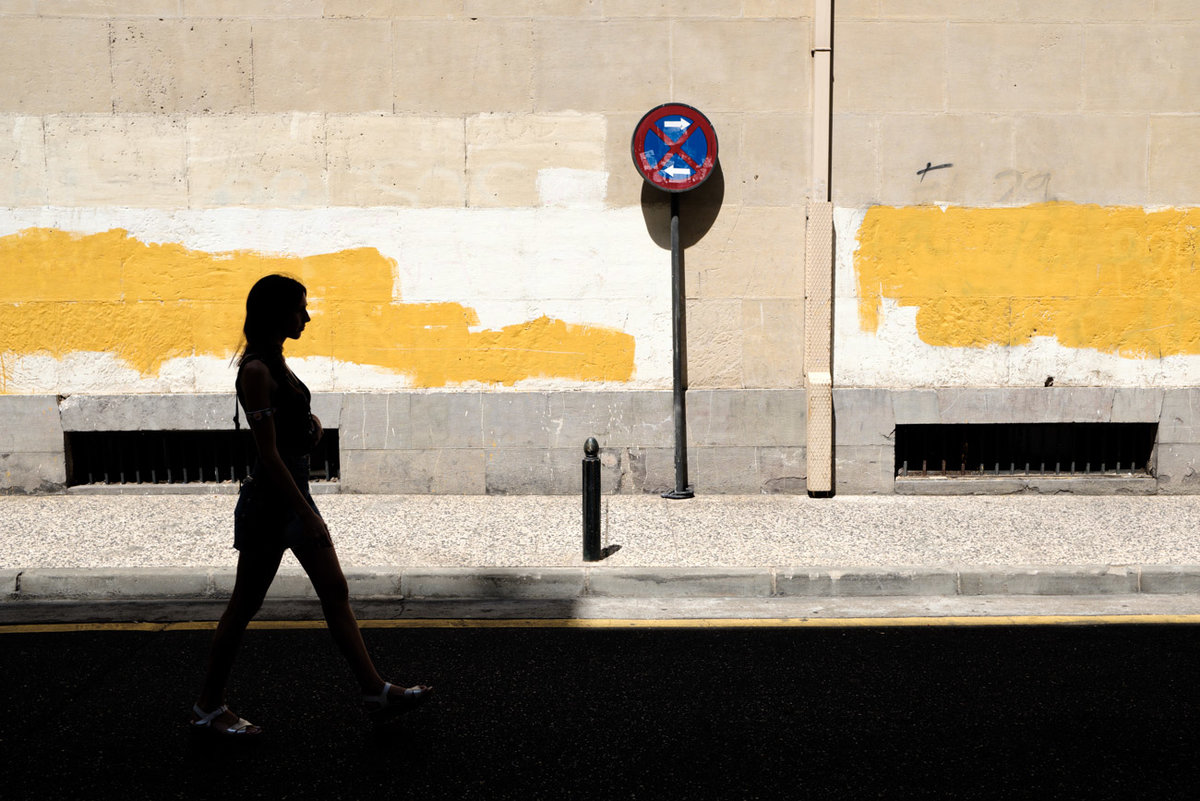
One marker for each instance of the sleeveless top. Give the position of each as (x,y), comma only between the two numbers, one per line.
(290,406)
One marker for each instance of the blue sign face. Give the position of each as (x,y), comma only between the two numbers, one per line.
(677,146)
(674,147)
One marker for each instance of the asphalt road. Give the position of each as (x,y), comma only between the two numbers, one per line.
(1048,712)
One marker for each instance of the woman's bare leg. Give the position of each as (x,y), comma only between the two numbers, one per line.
(255,572)
(325,572)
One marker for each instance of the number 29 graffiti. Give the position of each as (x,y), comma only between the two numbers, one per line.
(1024,186)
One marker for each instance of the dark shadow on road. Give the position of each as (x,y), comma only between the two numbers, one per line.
(1049,712)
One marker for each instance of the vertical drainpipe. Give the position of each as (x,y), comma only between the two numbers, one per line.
(818,263)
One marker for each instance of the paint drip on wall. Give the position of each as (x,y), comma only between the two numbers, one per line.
(147,303)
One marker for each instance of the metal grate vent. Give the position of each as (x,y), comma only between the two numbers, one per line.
(175,457)
(1026,449)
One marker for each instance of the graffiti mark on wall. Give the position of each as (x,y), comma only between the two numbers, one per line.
(1024,186)
(929,166)
(1115,279)
(64,293)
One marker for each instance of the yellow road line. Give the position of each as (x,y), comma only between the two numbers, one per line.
(633,623)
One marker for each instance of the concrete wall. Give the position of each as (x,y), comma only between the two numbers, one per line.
(1015,187)
(867,420)
(465,442)
(490,142)
(31,445)
(744,441)
(453,180)
(1056,240)
(1030,101)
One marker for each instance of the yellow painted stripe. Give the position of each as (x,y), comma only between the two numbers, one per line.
(633,623)
(1116,279)
(147,303)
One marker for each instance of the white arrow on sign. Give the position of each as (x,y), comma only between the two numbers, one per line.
(677,172)
(681,125)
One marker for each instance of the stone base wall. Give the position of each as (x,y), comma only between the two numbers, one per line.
(739,441)
(419,442)
(31,445)
(865,423)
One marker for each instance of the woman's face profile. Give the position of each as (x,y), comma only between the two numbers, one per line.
(297,319)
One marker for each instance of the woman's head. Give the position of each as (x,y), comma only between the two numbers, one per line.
(276,309)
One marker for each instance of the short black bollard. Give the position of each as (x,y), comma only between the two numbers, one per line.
(591,501)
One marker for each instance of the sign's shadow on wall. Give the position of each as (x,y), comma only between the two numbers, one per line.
(698,210)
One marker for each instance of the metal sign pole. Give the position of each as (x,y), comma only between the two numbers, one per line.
(674,147)
(679,337)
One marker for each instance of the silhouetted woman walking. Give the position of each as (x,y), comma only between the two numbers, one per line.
(275,512)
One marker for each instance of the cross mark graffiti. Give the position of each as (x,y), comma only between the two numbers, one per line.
(929,166)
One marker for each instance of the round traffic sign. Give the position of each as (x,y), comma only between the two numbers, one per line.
(674,147)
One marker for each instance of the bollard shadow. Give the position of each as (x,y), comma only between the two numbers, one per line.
(604,553)
(698,210)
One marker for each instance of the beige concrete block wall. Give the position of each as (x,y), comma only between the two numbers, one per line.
(744,277)
(1016,103)
(1155,72)
(742,65)
(1013,67)
(909,142)
(1029,101)
(92,159)
(772,335)
(267,9)
(795,9)
(257,160)
(108,8)
(52,65)
(889,66)
(22,160)
(1016,10)
(195,66)
(1067,151)
(512,158)
(520,103)
(750,255)
(462,66)
(389,160)
(408,9)
(715,348)
(498,104)
(326,65)
(1174,158)
(775,159)
(634,76)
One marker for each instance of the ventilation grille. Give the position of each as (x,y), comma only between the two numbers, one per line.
(1026,449)
(175,457)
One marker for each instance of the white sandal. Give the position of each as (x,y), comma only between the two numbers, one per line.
(382,707)
(206,721)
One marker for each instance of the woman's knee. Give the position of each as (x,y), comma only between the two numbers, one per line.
(255,573)
(325,573)
(243,606)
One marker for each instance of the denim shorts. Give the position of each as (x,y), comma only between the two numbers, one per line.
(263,518)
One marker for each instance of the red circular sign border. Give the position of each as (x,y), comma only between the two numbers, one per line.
(639,136)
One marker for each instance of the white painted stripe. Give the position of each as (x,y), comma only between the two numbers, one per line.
(583,265)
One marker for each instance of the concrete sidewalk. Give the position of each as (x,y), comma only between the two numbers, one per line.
(144,547)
